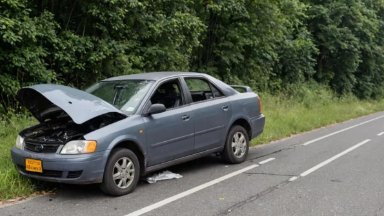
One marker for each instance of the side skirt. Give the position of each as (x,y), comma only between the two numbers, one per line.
(182,160)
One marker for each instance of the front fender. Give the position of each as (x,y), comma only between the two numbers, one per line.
(130,129)
(126,138)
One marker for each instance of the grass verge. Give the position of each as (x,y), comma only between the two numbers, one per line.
(285,115)
(286,119)
(12,184)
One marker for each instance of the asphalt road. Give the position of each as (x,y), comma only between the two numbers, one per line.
(336,170)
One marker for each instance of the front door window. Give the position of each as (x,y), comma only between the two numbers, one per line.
(169,94)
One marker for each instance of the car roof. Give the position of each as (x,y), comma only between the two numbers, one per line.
(151,76)
(161,75)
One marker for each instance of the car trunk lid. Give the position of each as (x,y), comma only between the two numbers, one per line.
(241,89)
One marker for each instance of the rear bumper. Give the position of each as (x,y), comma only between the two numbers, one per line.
(72,169)
(257,125)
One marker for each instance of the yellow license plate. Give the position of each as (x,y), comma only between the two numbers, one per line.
(33,165)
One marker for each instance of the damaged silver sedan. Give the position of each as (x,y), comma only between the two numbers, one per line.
(124,127)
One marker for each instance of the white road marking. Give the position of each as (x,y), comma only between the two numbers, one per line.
(189,192)
(331,134)
(293,178)
(266,161)
(380,134)
(333,158)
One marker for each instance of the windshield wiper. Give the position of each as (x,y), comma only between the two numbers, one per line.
(118,89)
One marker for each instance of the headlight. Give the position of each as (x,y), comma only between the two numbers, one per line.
(79,147)
(19,142)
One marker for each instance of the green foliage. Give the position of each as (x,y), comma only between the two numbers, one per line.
(348,34)
(270,45)
(76,42)
(307,107)
(259,43)
(12,183)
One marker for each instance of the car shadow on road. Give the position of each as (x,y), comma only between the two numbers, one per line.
(92,191)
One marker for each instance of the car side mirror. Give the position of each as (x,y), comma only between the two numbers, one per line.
(156,108)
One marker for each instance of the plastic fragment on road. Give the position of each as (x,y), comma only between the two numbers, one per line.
(163,176)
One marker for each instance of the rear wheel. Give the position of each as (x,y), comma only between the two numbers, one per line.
(121,173)
(236,146)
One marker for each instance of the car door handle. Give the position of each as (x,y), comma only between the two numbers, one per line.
(185,117)
(225,108)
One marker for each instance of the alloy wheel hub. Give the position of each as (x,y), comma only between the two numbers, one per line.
(239,144)
(123,172)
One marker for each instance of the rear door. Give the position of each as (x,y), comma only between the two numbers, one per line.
(169,134)
(211,111)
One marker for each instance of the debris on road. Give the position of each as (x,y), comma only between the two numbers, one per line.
(163,176)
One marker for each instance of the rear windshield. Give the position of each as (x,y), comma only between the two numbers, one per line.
(125,95)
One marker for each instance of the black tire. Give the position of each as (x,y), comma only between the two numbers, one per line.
(108,186)
(228,153)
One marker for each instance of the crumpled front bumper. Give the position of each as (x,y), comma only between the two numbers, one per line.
(73,169)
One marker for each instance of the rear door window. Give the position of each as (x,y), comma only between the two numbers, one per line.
(201,89)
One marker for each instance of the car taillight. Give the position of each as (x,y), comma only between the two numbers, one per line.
(258,98)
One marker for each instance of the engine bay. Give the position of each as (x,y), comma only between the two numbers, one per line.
(63,130)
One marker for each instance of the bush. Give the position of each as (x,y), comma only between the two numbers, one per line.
(307,107)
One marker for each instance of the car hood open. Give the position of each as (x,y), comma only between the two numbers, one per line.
(45,101)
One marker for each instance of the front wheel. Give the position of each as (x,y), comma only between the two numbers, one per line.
(121,173)
(236,146)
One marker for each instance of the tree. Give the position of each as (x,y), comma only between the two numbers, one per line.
(76,43)
(258,43)
(346,33)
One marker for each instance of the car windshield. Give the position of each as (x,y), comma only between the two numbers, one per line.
(125,95)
